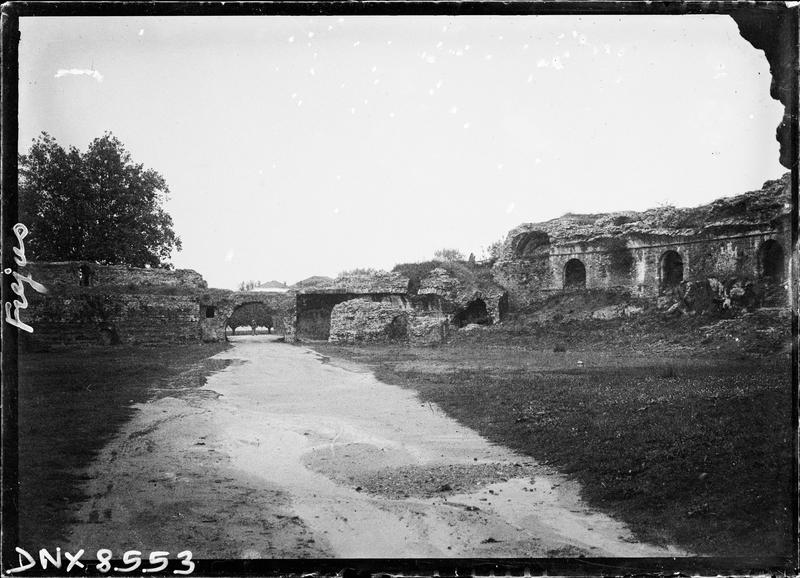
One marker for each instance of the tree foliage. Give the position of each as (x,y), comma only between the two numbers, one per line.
(358,271)
(248,285)
(493,251)
(95,206)
(250,313)
(448,255)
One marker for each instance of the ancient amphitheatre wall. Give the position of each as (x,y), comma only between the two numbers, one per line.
(625,251)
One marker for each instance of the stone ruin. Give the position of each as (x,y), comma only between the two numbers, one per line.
(385,307)
(108,304)
(732,251)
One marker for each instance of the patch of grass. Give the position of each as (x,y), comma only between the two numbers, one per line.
(685,450)
(71,402)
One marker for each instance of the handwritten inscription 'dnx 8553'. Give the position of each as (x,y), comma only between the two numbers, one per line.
(20,231)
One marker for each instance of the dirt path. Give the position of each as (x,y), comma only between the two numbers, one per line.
(284,454)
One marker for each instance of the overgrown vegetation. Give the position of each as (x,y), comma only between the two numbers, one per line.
(71,402)
(469,274)
(357,271)
(251,315)
(448,255)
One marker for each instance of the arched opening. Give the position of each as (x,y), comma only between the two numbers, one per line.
(251,319)
(474,312)
(574,275)
(671,269)
(772,259)
(502,307)
(398,328)
(533,245)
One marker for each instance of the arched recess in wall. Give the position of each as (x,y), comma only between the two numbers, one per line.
(533,245)
(574,274)
(251,315)
(671,269)
(474,312)
(772,261)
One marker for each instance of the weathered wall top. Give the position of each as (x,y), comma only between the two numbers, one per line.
(70,276)
(381,282)
(461,286)
(751,211)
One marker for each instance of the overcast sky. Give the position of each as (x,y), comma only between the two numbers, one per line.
(298,146)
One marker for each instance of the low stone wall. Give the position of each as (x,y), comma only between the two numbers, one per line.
(90,303)
(112,318)
(363,320)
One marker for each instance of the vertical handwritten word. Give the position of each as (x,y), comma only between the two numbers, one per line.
(20,231)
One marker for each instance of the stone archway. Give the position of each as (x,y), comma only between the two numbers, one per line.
(474,312)
(670,270)
(217,307)
(574,274)
(251,315)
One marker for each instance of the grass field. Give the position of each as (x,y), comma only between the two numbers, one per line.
(72,401)
(689,446)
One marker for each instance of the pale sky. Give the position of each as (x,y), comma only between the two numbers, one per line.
(299,146)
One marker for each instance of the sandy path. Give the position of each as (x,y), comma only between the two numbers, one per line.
(285,455)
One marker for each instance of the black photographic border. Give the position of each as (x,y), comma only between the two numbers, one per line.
(778,12)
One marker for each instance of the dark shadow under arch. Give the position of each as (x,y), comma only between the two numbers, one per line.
(671,269)
(474,312)
(574,274)
(772,261)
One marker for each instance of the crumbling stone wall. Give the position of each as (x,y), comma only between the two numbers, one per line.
(357,309)
(428,328)
(725,241)
(91,303)
(315,304)
(108,318)
(115,304)
(363,320)
(723,258)
(215,307)
(314,310)
(453,296)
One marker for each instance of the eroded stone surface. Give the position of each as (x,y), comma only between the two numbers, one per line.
(362,320)
(746,238)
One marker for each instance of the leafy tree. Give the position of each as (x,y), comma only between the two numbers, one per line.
(448,255)
(248,285)
(94,206)
(358,271)
(493,251)
(248,313)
